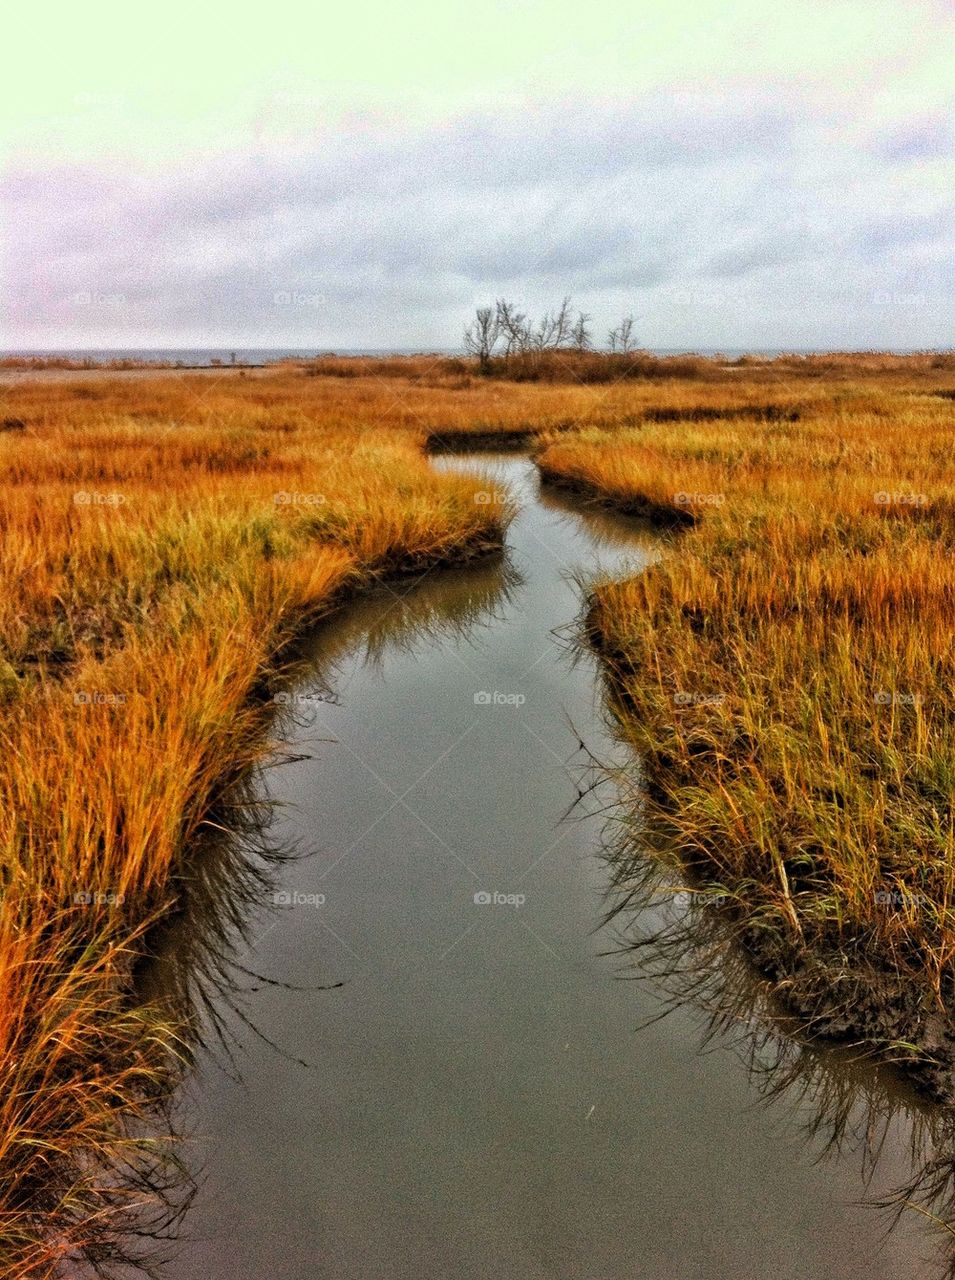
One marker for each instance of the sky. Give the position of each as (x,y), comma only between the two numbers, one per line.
(751,174)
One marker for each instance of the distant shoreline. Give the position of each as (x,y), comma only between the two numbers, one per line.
(559,365)
(120,359)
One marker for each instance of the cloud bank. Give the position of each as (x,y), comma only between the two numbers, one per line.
(730,217)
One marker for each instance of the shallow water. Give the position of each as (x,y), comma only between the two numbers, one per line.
(482,1096)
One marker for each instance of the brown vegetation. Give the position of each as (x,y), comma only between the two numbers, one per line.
(786,671)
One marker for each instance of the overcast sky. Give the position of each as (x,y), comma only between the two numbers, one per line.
(751,174)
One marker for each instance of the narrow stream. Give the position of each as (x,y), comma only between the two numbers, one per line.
(483,1097)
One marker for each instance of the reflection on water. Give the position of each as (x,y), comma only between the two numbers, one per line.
(411,612)
(606,529)
(845,1104)
(196,958)
(201,966)
(482,1094)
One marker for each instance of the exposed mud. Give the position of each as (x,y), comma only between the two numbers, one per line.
(712,413)
(663,515)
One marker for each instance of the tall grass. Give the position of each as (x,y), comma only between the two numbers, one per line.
(165,538)
(162,544)
(786,672)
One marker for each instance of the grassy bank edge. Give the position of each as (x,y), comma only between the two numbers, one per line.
(664,515)
(832,995)
(74,1210)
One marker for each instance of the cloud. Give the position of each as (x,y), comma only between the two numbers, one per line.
(722,218)
(917,141)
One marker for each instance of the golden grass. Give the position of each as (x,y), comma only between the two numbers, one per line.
(164,538)
(162,543)
(786,673)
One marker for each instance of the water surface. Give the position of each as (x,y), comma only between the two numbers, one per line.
(483,1097)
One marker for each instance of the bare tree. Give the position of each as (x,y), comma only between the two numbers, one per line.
(580,337)
(554,330)
(514,326)
(481,336)
(621,339)
(627,340)
(502,329)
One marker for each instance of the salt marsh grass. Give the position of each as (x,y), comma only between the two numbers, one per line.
(785,670)
(786,673)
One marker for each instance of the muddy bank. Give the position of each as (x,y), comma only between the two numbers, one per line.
(662,515)
(522,439)
(711,413)
(833,994)
(450,442)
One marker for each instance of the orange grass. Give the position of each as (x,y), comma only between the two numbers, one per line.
(786,673)
(162,542)
(164,538)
